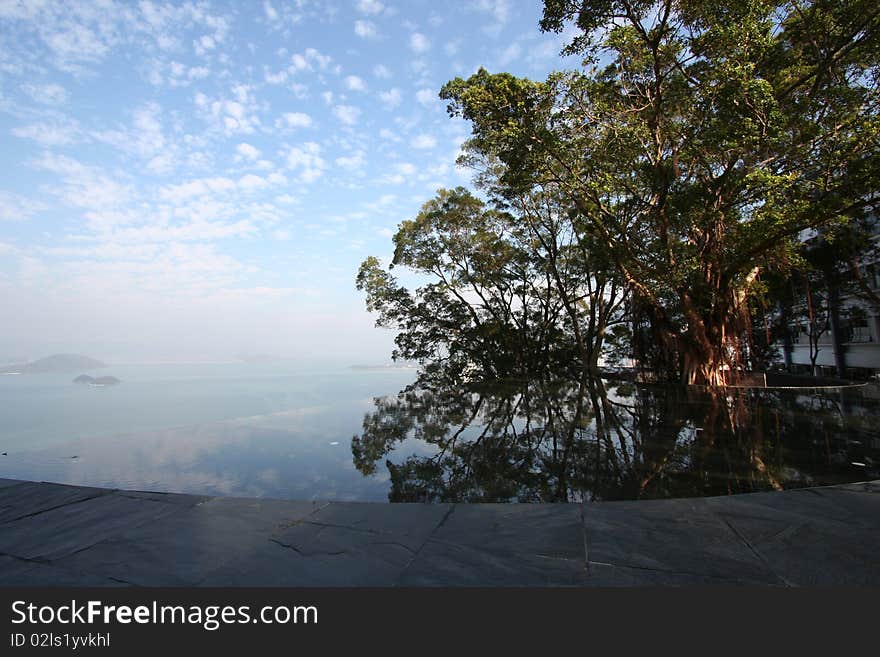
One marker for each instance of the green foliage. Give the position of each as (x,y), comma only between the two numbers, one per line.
(714,133)
(486,311)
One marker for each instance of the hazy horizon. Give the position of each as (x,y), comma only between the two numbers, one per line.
(197,181)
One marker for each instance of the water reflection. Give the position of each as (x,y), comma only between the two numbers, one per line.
(552,441)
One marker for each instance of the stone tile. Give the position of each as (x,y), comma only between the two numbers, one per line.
(805,503)
(862,487)
(263,514)
(810,550)
(407,524)
(33,497)
(336,557)
(169,498)
(862,508)
(503,545)
(15,572)
(91,537)
(184,548)
(673,536)
(73,527)
(601,574)
(761,516)
(341,544)
(449,564)
(545,530)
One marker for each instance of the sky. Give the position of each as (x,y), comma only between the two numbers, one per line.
(199,181)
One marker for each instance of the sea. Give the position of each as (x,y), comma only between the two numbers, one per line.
(285,430)
(245,429)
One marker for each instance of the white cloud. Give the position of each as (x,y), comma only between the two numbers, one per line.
(307,161)
(299,62)
(78,35)
(237,116)
(14,207)
(308,60)
(347,114)
(365,29)
(48,134)
(105,202)
(369,7)
(275,78)
(277,178)
(399,174)
(147,129)
(500,9)
(204,44)
(198,72)
(381,71)
(47,94)
(161,164)
(294,120)
(354,83)
(391,98)
(301,91)
(419,43)
(251,182)
(284,15)
(144,138)
(76,44)
(510,54)
(423,142)
(426,96)
(354,161)
(247,151)
(194,188)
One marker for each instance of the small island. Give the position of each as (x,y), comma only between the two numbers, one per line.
(85,379)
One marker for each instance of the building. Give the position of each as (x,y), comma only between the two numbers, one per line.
(845,310)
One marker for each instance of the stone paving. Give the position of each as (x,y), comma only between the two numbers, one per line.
(57,535)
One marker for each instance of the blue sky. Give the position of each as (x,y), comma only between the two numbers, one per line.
(200,180)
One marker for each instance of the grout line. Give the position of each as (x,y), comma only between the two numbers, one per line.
(424,543)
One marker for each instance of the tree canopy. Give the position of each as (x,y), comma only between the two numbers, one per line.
(696,143)
(668,176)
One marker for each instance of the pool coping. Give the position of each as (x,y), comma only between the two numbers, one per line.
(61,535)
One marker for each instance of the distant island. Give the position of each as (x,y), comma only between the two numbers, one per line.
(54,363)
(97,381)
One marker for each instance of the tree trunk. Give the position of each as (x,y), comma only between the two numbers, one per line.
(702,346)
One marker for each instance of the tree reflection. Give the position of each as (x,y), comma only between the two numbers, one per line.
(553,441)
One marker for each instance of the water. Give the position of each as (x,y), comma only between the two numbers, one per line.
(551,441)
(269,430)
(272,430)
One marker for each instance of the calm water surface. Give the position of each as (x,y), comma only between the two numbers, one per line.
(340,433)
(222,429)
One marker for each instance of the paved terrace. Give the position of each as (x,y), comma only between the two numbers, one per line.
(75,536)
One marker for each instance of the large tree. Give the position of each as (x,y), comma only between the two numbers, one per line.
(696,143)
(509,291)
(485,310)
